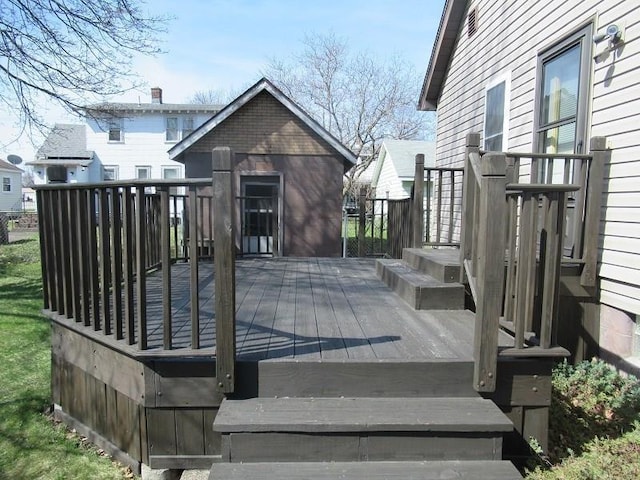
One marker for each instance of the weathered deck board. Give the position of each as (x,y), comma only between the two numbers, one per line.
(311,309)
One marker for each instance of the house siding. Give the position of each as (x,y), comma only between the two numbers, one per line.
(144,145)
(11,201)
(389,184)
(510,35)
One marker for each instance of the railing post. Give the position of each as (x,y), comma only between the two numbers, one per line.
(490,263)
(600,156)
(417,211)
(224,262)
(362,218)
(468,189)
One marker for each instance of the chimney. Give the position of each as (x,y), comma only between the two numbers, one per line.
(156,95)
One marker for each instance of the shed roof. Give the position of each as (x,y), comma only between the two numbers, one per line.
(64,142)
(452,17)
(248,95)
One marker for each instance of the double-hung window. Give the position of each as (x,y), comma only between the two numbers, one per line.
(115,130)
(172,129)
(187,126)
(562,92)
(496,113)
(6,184)
(110,173)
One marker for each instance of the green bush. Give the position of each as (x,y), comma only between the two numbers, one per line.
(594,424)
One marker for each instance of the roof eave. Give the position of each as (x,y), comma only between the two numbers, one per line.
(452,16)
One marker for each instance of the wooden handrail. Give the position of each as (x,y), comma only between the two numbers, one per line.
(532,239)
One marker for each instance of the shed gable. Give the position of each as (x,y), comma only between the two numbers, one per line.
(263,126)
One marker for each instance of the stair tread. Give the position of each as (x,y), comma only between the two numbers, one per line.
(315,415)
(415,278)
(448,257)
(405,470)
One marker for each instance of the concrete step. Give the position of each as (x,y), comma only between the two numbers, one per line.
(435,470)
(441,264)
(421,291)
(360,429)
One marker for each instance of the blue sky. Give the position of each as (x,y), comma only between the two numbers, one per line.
(225,44)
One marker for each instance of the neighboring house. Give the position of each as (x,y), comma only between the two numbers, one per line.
(10,188)
(288,169)
(64,158)
(394,171)
(120,141)
(545,76)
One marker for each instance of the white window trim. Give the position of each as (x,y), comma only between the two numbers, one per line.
(193,126)
(166,129)
(120,123)
(163,168)
(494,81)
(10,185)
(143,167)
(116,171)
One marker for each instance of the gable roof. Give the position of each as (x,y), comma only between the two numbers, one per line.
(266,86)
(452,17)
(8,167)
(403,155)
(64,142)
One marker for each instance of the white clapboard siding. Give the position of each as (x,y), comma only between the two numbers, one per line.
(510,36)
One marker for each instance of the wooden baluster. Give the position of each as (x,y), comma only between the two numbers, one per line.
(116,261)
(193,267)
(105,262)
(141,268)
(451,204)
(128,261)
(165,248)
(525,278)
(362,207)
(439,209)
(417,213)
(94,267)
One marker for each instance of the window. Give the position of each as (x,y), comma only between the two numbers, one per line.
(171,173)
(172,129)
(6,184)
(562,92)
(110,173)
(143,173)
(496,114)
(115,130)
(187,126)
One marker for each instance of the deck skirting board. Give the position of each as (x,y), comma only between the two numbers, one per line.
(97,439)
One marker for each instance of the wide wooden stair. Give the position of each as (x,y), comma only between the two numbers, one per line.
(340,421)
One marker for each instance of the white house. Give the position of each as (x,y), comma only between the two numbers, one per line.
(11,187)
(120,141)
(546,76)
(394,170)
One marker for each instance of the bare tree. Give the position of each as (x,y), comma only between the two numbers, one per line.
(71,52)
(359,99)
(213,97)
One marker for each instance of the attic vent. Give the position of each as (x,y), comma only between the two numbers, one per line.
(472,22)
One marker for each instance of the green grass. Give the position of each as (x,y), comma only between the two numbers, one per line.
(594,425)
(32,446)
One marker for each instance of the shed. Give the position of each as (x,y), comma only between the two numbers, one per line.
(288,173)
(10,189)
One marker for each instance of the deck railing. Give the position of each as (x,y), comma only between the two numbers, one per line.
(437,204)
(526,224)
(100,241)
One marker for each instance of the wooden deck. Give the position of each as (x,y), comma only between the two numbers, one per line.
(313,309)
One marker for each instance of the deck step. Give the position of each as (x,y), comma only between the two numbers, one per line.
(421,291)
(353,378)
(441,264)
(360,429)
(436,470)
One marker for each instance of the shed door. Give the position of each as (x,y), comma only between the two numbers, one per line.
(259,210)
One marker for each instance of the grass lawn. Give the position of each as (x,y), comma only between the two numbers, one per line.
(32,446)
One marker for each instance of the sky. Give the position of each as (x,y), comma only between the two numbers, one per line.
(226,44)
